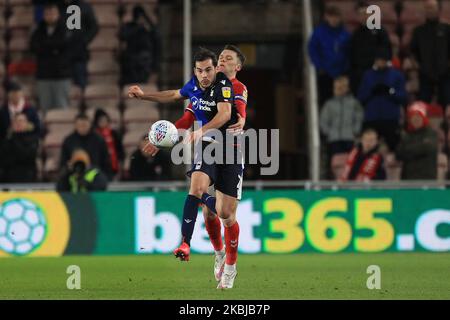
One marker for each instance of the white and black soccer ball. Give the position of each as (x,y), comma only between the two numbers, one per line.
(23,226)
(163,134)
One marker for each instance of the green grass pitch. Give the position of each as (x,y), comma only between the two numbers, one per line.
(301,276)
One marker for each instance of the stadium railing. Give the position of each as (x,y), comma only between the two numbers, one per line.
(257,185)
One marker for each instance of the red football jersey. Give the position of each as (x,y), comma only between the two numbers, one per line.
(240,96)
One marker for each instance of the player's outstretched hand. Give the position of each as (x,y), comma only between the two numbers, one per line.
(239,125)
(150,149)
(135,92)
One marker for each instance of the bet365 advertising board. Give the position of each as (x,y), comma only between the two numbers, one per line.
(52,224)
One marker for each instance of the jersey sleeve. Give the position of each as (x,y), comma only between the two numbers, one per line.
(240,98)
(189,108)
(240,93)
(186,121)
(187,89)
(224,91)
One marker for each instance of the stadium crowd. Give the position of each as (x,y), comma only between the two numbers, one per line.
(368,119)
(93,154)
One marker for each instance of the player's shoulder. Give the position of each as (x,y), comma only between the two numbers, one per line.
(223,80)
(238,85)
(189,87)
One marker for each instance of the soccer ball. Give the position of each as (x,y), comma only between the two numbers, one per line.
(23,226)
(163,134)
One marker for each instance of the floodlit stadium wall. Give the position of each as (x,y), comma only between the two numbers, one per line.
(281,221)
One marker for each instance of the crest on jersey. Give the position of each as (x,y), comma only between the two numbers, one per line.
(194,101)
(226,92)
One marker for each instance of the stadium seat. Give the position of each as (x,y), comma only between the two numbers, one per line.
(106,14)
(103,76)
(19,43)
(131,139)
(103,62)
(110,103)
(393,167)
(51,165)
(338,162)
(2,68)
(142,127)
(413,12)
(388,14)
(135,103)
(447,114)
(106,40)
(56,137)
(61,115)
(445,12)
(441,139)
(145,114)
(102,91)
(442,167)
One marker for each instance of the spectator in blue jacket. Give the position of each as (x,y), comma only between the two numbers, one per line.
(329,51)
(382,93)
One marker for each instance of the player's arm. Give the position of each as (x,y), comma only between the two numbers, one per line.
(166,96)
(241,113)
(223,115)
(240,103)
(186,121)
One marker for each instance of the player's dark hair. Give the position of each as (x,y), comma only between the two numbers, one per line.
(361,5)
(82,116)
(368,131)
(239,53)
(342,78)
(50,4)
(332,10)
(204,54)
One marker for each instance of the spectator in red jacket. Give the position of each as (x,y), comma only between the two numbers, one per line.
(102,126)
(365,163)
